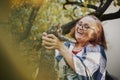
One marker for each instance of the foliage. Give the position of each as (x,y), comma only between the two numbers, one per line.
(116,2)
(19,3)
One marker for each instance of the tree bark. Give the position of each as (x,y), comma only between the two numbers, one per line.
(30,23)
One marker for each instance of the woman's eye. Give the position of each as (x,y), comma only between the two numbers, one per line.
(86,26)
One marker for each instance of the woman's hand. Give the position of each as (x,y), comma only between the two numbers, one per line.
(50,41)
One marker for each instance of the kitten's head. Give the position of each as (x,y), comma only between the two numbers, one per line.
(56,30)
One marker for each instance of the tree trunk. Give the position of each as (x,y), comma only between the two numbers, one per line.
(47,65)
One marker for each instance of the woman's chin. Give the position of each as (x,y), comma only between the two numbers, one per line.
(79,36)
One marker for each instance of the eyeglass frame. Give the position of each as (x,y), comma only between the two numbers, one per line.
(82,26)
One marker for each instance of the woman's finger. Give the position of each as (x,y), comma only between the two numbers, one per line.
(45,38)
(49,47)
(44,34)
(52,36)
(47,43)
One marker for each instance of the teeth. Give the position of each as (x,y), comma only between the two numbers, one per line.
(79,31)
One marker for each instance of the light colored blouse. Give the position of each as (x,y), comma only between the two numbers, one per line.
(90,63)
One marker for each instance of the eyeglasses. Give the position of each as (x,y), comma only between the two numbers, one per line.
(85,27)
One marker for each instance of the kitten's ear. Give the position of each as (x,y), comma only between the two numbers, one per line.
(59,30)
(58,26)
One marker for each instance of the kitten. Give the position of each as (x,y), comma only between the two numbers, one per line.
(57,31)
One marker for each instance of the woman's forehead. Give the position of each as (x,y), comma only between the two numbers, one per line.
(88,20)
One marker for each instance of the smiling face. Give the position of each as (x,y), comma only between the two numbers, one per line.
(85,29)
(89,30)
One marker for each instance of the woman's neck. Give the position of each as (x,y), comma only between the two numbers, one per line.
(77,47)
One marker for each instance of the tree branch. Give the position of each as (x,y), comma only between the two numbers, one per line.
(110,16)
(30,22)
(67,27)
(101,3)
(101,10)
(79,4)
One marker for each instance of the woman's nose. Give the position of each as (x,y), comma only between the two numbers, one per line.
(80,27)
(80,30)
